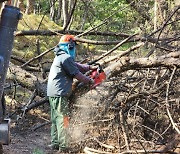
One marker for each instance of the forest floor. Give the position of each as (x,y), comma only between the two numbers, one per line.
(28,138)
(27,142)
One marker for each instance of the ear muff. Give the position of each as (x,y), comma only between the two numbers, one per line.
(71,44)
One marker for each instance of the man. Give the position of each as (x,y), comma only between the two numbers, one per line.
(59,88)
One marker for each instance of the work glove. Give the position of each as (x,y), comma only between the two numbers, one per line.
(91,67)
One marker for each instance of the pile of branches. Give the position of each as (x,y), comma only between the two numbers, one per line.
(140,113)
(144,104)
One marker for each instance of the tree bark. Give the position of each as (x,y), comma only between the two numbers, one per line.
(59,10)
(72,9)
(26,79)
(52,9)
(127,63)
(65,12)
(21,5)
(55,32)
(30,6)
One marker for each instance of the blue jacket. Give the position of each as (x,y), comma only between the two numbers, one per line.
(61,74)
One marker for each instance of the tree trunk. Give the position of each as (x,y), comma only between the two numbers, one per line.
(52,9)
(21,5)
(70,15)
(30,6)
(155,15)
(15,3)
(65,12)
(59,10)
(128,63)
(26,79)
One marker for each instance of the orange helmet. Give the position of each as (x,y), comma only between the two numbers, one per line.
(67,38)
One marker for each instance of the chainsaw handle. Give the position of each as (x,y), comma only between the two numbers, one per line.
(99,69)
(97,64)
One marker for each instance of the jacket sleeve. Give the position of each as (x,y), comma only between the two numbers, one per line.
(82,67)
(82,78)
(70,67)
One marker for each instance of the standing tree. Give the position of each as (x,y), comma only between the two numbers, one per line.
(30,6)
(52,9)
(21,5)
(65,12)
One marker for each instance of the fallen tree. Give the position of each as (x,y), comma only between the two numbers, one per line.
(26,79)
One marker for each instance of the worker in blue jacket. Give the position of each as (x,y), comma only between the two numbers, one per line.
(59,88)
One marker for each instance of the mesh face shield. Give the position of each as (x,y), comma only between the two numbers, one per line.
(69,48)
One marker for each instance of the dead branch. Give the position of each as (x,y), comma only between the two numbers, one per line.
(56,32)
(32,105)
(20,60)
(123,53)
(92,151)
(37,57)
(113,49)
(134,39)
(152,131)
(147,151)
(165,23)
(104,145)
(124,130)
(37,103)
(30,101)
(167,103)
(172,145)
(41,125)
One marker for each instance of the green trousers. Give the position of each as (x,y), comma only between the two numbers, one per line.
(60,119)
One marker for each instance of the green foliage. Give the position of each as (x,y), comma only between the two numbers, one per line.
(25,46)
(88,14)
(98,10)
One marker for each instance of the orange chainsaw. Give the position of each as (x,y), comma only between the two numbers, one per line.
(98,75)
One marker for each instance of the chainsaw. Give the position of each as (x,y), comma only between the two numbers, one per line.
(98,75)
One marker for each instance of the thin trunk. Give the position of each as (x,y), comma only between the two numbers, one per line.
(65,12)
(71,11)
(52,9)
(59,10)
(155,15)
(30,6)
(21,5)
